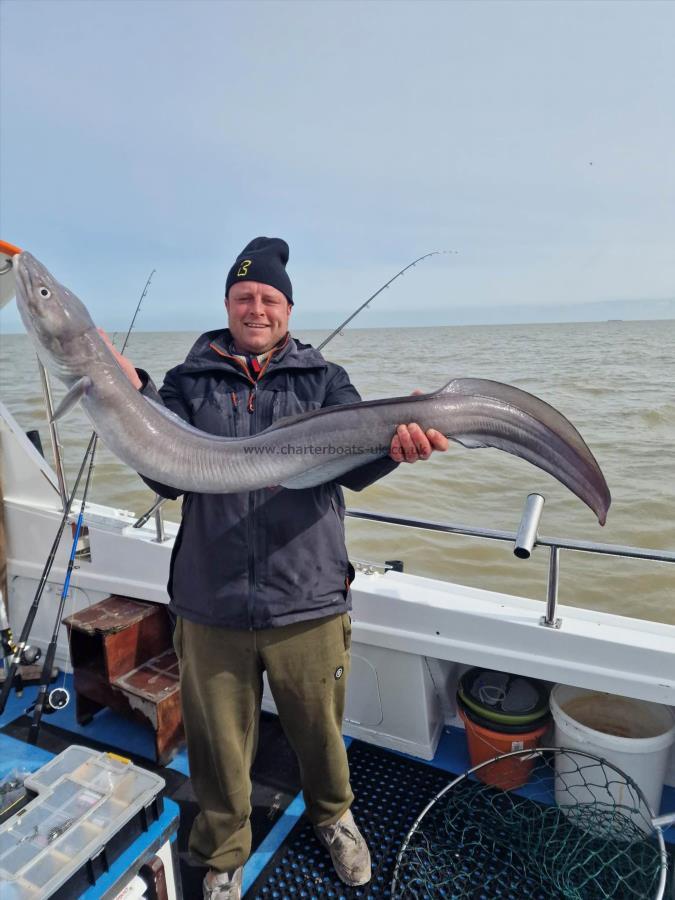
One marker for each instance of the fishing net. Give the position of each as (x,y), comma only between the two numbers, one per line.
(577,828)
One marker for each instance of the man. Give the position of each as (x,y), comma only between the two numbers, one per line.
(259,581)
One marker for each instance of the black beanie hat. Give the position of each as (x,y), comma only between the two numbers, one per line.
(263,259)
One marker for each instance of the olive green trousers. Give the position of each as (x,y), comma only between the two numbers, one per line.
(221,679)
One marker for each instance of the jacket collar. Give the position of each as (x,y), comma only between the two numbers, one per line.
(212,350)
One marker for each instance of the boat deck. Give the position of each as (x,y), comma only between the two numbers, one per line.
(287,860)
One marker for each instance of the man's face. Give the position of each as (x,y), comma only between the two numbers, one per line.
(257,316)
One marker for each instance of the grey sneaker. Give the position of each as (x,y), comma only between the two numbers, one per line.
(347,848)
(221,886)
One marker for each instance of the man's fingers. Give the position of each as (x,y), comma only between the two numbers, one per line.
(420,441)
(410,443)
(407,446)
(437,440)
(413,442)
(395,449)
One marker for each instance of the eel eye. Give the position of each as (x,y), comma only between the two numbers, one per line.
(45,292)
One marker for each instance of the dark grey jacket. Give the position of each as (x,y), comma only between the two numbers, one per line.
(268,557)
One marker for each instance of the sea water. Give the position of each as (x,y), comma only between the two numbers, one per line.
(613,380)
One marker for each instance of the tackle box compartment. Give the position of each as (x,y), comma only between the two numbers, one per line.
(90,806)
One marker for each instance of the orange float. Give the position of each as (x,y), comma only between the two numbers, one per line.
(7,277)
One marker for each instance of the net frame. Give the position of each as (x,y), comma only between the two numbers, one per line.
(652,822)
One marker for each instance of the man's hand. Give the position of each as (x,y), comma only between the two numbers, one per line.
(410,443)
(125,364)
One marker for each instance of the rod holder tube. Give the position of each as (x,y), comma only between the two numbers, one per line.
(549,620)
(159,526)
(54,434)
(526,537)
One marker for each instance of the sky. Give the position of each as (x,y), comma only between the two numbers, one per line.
(535,139)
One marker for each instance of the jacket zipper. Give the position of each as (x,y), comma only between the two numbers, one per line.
(251,521)
(251,407)
(235,412)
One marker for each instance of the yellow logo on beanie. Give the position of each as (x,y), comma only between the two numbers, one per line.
(243,268)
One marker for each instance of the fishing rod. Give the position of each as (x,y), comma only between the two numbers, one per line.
(138,306)
(59,697)
(17,658)
(161,500)
(62,698)
(379,291)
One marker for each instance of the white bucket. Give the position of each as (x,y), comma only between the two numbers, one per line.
(633,735)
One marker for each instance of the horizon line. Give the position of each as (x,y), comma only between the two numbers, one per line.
(328,328)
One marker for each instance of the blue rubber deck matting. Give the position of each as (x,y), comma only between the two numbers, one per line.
(390,791)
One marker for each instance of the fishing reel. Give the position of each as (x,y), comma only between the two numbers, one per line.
(58,698)
(30,655)
(9,648)
(27,656)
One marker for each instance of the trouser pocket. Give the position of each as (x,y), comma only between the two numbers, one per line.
(178,637)
(347,631)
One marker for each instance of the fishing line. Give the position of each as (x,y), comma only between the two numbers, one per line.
(66,668)
(365,303)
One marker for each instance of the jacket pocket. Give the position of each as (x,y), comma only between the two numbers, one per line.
(217,414)
(287,403)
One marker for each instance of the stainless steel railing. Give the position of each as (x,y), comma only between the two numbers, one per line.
(524,540)
(528,527)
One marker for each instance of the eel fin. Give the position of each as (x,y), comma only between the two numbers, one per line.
(471,443)
(72,398)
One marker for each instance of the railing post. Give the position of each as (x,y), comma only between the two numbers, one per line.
(156,511)
(140,522)
(549,620)
(54,434)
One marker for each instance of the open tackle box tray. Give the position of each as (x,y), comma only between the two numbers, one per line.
(90,807)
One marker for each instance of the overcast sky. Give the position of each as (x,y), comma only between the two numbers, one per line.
(536,139)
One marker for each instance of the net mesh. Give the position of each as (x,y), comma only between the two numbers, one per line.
(577,828)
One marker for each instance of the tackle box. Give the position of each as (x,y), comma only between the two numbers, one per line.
(90,806)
